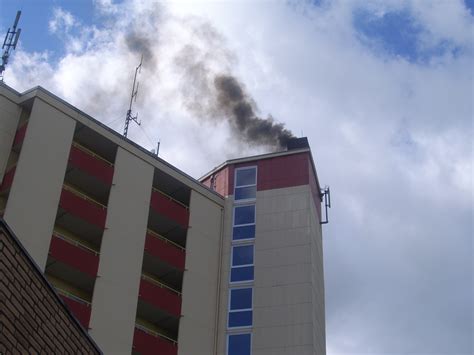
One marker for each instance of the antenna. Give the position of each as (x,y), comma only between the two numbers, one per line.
(11,40)
(133,98)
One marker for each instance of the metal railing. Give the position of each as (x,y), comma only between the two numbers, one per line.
(160,284)
(166,240)
(171,198)
(91,153)
(154,333)
(83,195)
(71,296)
(75,242)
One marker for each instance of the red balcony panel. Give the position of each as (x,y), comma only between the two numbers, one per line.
(80,258)
(83,208)
(160,297)
(148,344)
(7,179)
(169,208)
(81,310)
(91,164)
(20,135)
(165,251)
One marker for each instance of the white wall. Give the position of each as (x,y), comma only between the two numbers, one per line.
(197,324)
(9,118)
(36,189)
(114,302)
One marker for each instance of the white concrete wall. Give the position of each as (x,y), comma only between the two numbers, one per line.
(285,276)
(34,195)
(319,314)
(9,118)
(197,324)
(114,302)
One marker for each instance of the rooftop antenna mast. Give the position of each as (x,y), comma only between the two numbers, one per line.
(133,98)
(11,40)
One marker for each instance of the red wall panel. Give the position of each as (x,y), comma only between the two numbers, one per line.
(147,344)
(165,251)
(81,310)
(7,179)
(20,135)
(169,208)
(276,173)
(82,208)
(92,165)
(160,297)
(72,255)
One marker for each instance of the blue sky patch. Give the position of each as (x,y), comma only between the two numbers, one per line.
(397,34)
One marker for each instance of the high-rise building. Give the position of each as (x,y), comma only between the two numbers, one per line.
(152,261)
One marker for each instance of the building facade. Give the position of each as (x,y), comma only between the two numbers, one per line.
(152,261)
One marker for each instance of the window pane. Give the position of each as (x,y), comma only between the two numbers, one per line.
(244,215)
(240,298)
(242,255)
(244,232)
(242,193)
(239,344)
(241,274)
(245,177)
(240,319)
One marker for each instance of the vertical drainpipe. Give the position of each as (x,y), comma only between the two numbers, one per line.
(218,292)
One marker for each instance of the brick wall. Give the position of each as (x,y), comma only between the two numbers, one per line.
(33,319)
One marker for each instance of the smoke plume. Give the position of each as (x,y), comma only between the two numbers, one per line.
(238,108)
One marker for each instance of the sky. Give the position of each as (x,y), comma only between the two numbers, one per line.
(382,89)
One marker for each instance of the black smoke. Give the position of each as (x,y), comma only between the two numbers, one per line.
(238,108)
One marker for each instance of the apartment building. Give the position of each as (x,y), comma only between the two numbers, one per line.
(152,261)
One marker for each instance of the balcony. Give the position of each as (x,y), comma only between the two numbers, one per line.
(19,136)
(164,249)
(84,159)
(75,254)
(160,296)
(148,342)
(167,206)
(76,203)
(78,306)
(7,179)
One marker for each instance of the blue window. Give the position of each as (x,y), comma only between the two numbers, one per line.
(240,308)
(244,222)
(245,183)
(242,263)
(239,344)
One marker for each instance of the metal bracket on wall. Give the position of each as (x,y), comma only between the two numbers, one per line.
(326,195)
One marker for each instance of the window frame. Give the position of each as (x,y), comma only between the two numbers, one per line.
(239,245)
(245,224)
(229,311)
(238,333)
(251,167)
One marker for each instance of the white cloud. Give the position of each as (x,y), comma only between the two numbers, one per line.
(392,138)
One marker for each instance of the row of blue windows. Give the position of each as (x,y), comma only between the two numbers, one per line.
(242,262)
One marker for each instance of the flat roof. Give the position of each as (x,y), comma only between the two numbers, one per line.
(26,98)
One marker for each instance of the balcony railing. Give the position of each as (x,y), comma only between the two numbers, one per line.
(164,249)
(160,295)
(83,206)
(8,179)
(78,306)
(169,207)
(88,161)
(147,341)
(20,135)
(75,254)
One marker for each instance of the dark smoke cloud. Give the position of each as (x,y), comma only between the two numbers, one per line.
(209,90)
(239,111)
